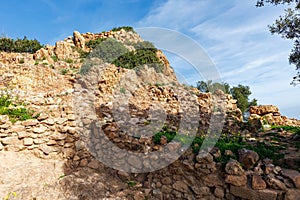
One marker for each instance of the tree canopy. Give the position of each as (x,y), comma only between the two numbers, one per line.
(19,45)
(288,26)
(241,93)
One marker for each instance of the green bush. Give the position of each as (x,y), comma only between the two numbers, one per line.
(293,129)
(143,45)
(109,50)
(54,58)
(126,28)
(94,43)
(19,45)
(15,111)
(138,58)
(225,142)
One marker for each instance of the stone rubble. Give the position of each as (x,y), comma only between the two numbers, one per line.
(65,138)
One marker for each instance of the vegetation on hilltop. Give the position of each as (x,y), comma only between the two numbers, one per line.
(115,52)
(19,45)
(241,93)
(126,28)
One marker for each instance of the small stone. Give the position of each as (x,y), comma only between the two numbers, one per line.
(11,141)
(174,146)
(258,183)
(1,146)
(38,141)
(228,153)
(166,181)
(17,128)
(28,141)
(71,117)
(40,129)
(23,134)
(269,168)
(219,192)
(61,120)
(163,140)
(51,143)
(213,180)
(71,130)
(58,136)
(30,122)
(3,119)
(68,145)
(248,157)
(83,163)
(94,164)
(180,186)
(135,162)
(42,116)
(248,193)
(45,149)
(204,158)
(293,175)
(236,180)
(292,195)
(166,189)
(233,167)
(49,122)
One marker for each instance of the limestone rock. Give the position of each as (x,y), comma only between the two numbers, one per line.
(293,175)
(3,119)
(213,180)
(248,157)
(40,129)
(292,195)
(233,167)
(180,186)
(79,40)
(250,194)
(263,110)
(63,50)
(258,183)
(11,141)
(236,180)
(28,141)
(30,122)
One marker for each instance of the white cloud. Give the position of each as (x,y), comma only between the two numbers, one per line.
(236,36)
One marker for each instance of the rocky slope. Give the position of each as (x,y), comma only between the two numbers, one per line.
(56,155)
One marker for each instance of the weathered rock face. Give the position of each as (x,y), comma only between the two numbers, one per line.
(79,40)
(263,110)
(269,114)
(58,133)
(248,158)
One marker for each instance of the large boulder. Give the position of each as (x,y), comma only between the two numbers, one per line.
(79,40)
(63,50)
(248,158)
(263,109)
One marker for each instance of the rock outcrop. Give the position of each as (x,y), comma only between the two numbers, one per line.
(72,107)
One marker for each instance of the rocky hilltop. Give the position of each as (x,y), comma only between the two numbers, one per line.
(82,108)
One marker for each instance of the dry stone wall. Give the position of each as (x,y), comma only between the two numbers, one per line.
(59,133)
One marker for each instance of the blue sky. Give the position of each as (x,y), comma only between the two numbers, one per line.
(233,33)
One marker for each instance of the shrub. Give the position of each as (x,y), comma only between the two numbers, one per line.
(138,58)
(15,111)
(143,45)
(21,61)
(69,60)
(126,28)
(19,45)
(94,43)
(54,58)
(109,50)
